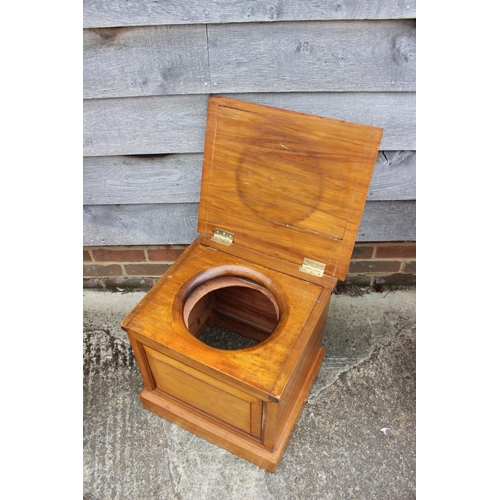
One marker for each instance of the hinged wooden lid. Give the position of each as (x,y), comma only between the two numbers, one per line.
(287,184)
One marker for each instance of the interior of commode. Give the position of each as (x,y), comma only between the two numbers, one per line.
(230,312)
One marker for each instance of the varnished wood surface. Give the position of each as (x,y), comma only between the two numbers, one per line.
(285,426)
(268,261)
(240,305)
(159,318)
(196,389)
(266,455)
(97,13)
(290,185)
(202,425)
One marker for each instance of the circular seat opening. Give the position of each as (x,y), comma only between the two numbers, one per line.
(231,312)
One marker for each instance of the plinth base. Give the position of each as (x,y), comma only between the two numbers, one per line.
(229,438)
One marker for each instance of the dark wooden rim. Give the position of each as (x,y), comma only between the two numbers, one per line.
(224,282)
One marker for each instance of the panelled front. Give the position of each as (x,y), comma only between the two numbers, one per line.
(206,394)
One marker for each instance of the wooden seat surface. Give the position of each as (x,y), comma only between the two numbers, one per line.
(264,367)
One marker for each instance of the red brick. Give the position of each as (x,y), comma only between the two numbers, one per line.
(374,266)
(362,252)
(149,270)
(396,252)
(86,256)
(125,255)
(165,254)
(100,270)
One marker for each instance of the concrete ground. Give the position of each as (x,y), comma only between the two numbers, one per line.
(355,438)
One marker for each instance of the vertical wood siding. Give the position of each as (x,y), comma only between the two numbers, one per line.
(150,66)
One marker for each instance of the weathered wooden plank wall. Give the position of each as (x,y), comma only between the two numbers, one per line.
(97,13)
(150,66)
(176,124)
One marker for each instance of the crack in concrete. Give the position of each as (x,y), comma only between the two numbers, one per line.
(315,394)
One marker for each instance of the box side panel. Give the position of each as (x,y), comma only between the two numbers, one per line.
(288,399)
(204,393)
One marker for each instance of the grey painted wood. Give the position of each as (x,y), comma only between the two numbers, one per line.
(135,180)
(146,125)
(394,177)
(146,93)
(98,13)
(314,56)
(176,178)
(282,57)
(140,224)
(153,60)
(177,223)
(176,124)
(388,221)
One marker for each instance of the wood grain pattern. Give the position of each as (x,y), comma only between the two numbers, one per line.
(315,56)
(304,354)
(176,124)
(209,395)
(230,397)
(162,224)
(288,185)
(148,67)
(141,61)
(160,321)
(146,125)
(133,224)
(395,112)
(275,178)
(282,57)
(209,429)
(97,13)
(133,180)
(394,177)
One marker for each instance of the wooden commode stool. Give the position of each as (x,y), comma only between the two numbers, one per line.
(282,196)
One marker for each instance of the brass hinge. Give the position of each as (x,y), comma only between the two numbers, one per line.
(313,267)
(223,237)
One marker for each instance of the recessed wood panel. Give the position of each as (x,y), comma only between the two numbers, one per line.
(204,393)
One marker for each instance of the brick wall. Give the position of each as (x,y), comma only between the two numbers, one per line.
(141,266)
